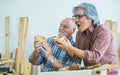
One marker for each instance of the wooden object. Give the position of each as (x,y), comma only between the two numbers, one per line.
(40,38)
(36,70)
(26,68)
(118,44)
(105,67)
(116,36)
(39,70)
(7,46)
(6,62)
(108,23)
(93,66)
(21,43)
(15,59)
(59,39)
(114,27)
(76,67)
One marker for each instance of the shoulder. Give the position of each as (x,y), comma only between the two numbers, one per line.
(103,29)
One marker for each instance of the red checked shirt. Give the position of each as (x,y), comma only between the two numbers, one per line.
(97,42)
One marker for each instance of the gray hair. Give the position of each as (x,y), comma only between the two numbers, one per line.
(90,12)
(71,21)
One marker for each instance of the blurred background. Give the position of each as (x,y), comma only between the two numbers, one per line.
(45,17)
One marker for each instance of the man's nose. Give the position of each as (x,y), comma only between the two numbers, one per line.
(76,20)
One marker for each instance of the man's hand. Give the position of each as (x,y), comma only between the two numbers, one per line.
(47,50)
(38,40)
(65,45)
(37,45)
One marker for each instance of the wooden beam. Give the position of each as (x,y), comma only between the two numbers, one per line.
(114,27)
(21,43)
(6,62)
(118,45)
(7,46)
(26,68)
(108,23)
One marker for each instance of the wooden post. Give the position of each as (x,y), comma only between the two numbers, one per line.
(114,27)
(7,46)
(118,45)
(108,23)
(21,43)
(114,32)
(116,36)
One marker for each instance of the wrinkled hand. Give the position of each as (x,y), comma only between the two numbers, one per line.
(65,44)
(47,50)
(37,45)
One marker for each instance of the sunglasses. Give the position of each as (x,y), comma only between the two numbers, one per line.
(77,16)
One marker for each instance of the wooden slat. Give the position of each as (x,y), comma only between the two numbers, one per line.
(108,23)
(26,68)
(114,31)
(36,69)
(23,67)
(15,59)
(114,27)
(6,61)
(39,70)
(116,36)
(21,42)
(18,62)
(7,46)
(118,45)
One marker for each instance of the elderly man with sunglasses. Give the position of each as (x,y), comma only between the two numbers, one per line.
(50,55)
(94,41)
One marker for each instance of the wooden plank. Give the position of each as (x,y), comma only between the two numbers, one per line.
(28,68)
(23,67)
(15,59)
(21,42)
(39,70)
(5,62)
(18,62)
(25,23)
(108,23)
(36,69)
(118,45)
(114,27)
(7,46)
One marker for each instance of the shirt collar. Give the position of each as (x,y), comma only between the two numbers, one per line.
(89,30)
(72,40)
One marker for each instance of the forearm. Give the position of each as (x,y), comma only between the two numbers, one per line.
(34,56)
(78,52)
(57,64)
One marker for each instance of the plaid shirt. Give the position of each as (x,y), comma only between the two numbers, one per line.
(59,54)
(98,44)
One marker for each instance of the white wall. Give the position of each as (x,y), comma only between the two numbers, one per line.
(45,16)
